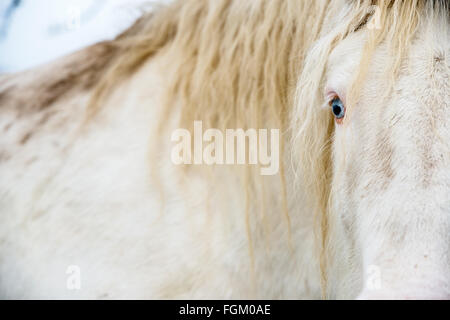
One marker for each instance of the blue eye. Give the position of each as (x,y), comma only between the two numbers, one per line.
(338,108)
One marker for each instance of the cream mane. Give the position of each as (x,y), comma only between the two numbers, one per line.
(235,64)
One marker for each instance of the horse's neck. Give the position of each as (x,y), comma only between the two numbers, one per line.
(89,198)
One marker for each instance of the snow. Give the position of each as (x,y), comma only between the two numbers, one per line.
(40,31)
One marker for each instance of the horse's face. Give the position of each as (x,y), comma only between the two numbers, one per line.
(391,183)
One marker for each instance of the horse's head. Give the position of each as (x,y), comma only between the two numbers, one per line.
(387,227)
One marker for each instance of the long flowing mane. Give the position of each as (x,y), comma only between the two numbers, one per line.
(253,64)
(234,64)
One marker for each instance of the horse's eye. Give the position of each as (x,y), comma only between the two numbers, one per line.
(338,108)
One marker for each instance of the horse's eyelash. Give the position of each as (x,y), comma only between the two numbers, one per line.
(327,104)
(329,98)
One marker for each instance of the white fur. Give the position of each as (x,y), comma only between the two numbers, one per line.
(89,199)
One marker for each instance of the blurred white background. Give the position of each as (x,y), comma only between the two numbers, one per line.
(33,32)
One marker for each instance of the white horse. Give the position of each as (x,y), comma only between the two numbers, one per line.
(91,205)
